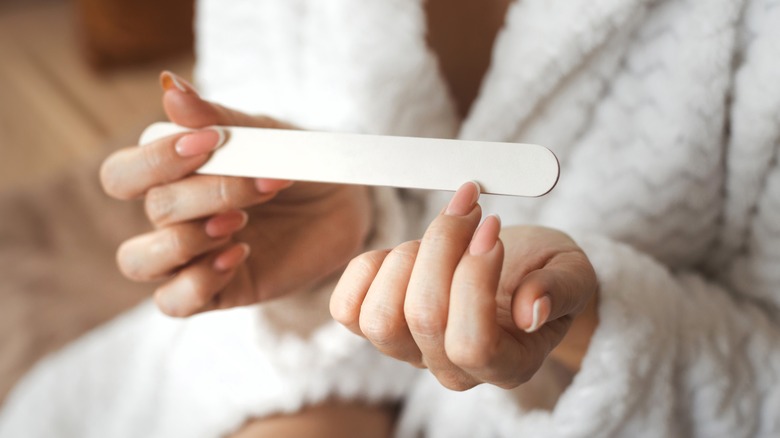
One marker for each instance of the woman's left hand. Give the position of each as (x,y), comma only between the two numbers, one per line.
(470,306)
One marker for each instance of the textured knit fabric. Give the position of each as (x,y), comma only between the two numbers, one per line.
(665,116)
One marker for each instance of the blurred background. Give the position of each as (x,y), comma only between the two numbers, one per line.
(79,75)
(78,78)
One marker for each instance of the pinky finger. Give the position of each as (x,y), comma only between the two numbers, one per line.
(351,290)
(194,287)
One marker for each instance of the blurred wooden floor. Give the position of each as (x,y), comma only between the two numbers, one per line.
(55,110)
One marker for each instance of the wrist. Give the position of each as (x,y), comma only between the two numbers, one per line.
(574,345)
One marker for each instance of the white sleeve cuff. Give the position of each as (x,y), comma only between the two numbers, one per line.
(624,385)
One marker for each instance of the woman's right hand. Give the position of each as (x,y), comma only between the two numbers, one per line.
(299,233)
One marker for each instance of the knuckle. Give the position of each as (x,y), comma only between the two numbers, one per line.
(154,162)
(469,284)
(441,232)
(366,264)
(223,193)
(438,233)
(454,380)
(175,247)
(425,322)
(344,308)
(341,309)
(471,355)
(159,204)
(346,302)
(227,196)
(379,327)
(405,253)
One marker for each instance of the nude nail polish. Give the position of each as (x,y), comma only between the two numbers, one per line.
(170,81)
(464,200)
(231,258)
(200,142)
(486,236)
(541,311)
(225,224)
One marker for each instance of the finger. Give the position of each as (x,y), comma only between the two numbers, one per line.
(561,288)
(427,297)
(238,292)
(195,286)
(382,318)
(185,107)
(352,287)
(472,331)
(130,172)
(200,196)
(473,340)
(153,256)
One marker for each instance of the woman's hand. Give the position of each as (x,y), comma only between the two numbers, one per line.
(205,225)
(462,304)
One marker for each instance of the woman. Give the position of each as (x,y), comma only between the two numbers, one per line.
(664,117)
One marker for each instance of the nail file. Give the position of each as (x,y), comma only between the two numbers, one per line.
(423,163)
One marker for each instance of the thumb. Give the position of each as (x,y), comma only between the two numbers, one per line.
(185,107)
(562,287)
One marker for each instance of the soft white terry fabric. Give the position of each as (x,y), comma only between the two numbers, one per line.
(665,115)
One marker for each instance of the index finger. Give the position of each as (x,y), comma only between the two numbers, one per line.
(427,298)
(131,172)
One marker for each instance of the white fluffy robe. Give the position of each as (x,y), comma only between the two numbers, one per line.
(665,115)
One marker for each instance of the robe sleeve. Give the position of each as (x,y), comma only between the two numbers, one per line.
(678,352)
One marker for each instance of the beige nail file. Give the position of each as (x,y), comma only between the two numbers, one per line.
(423,163)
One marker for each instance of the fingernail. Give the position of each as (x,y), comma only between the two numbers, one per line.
(231,257)
(464,200)
(200,142)
(486,236)
(170,81)
(541,311)
(225,224)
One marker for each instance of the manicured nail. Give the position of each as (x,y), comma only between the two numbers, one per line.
(169,81)
(225,224)
(486,236)
(231,257)
(464,200)
(541,311)
(200,142)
